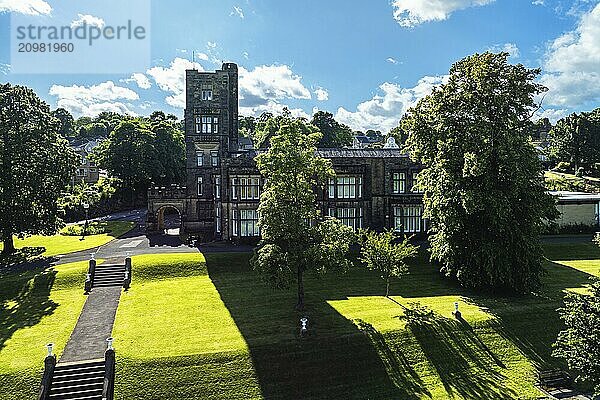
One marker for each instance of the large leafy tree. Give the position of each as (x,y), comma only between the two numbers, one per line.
(334,133)
(36,164)
(170,148)
(579,343)
(140,151)
(66,122)
(267,126)
(575,139)
(483,193)
(295,237)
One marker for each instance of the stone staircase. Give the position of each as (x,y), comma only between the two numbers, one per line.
(109,275)
(78,380)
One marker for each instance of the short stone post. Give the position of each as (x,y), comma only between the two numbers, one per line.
(127,281)
(304,326)
(92,267)
(88,284)
(49,365)
(456,313)
(108,388)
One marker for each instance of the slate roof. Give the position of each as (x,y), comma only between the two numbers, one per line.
(576,197)
(361,153)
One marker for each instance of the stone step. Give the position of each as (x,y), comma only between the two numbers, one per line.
(109,277)
(77,394)
(60,382)
(101,266)
(98,273)
(78,381)
(76,375)
(78,386)
(60,368)
(71,371)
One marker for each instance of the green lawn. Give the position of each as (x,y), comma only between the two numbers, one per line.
(207,328)
(60,244)
(38,305)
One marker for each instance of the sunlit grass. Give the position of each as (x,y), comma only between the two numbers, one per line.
(37,307)
(61,244)
(173,317)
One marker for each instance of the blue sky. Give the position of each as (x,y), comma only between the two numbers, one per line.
(365,61)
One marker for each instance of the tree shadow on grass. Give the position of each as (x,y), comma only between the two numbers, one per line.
(25,296)
(336,360)
(465,365)
(531,322)
(396,364)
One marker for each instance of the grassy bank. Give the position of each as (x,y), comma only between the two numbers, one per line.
(61,244)
(38,305)
(207,328)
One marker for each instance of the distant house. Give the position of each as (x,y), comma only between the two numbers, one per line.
(245,143)
(363,142)
(87,171)
(578,208)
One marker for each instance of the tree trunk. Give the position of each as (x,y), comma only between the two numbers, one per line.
(300,304)
(9,245)
(387,287)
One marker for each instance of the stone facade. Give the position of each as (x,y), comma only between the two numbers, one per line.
(87,171)
(373,187)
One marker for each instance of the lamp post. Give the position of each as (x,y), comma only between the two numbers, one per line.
(86,207)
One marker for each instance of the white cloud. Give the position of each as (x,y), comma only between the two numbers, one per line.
(92,100)
(28,7)
(211,45)
(510,48)
(201,56)
(272,107)
(322,94)
(383,112)
(140,79)
(246,55)
(270,82)
(552,114)
(538,3)
(410,13)
(237,11)
(572,64)
(265,87)
(391,60)
(172,79)
(89,20)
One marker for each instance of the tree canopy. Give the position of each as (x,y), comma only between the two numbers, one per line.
(140,151)
(483,195)
(575,139)
(382,253)
(36,164)
(579,343)
(295,236)
(334,133)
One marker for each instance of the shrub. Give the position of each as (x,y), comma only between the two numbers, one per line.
(93,228)
(563,167)
(579,343)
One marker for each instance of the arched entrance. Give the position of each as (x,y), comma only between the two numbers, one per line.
(169,220)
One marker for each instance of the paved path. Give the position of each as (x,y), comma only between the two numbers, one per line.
(95,323)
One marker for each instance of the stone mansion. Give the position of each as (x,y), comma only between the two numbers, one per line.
(373,186)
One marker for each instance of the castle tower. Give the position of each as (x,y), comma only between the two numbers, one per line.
(211,135)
